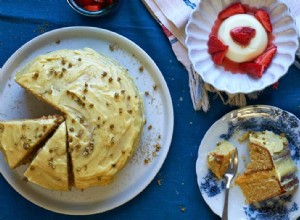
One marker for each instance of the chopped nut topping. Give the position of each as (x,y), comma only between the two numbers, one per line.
(149,127)
(113,165)
(118,79)
(1,128)
(146,93)
(110,80)
(79,134)
(64,69)
(128,98)
(91,105)
(70,65)
(73,120)
(79,59)
(35,75)
(129,111)
(111,127)
(155,87)
(116,95)
(63,61)
(32,167)
(71,129)
(81,120)
(98,118)
(120,110)
(86,85)
(141,68)
(104,74)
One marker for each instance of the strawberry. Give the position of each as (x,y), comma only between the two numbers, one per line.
(85,2)
(275,85)
(253,69)
(92,7)
(218,57)
(266,58)
(215,45)
(263,17)
(242,35)
(234,9)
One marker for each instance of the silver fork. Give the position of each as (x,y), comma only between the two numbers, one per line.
(229,175)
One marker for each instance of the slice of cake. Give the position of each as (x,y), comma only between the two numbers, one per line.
(103,108)
(219,159)
(271,171)
(49,168)
(18,139)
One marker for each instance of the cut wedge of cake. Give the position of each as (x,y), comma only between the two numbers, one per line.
(49,168)
(18,139)
(218,160)
(103,108)
(271,171)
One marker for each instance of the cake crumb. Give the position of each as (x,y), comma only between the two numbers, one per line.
(182,209)
(113,47)
(159,182)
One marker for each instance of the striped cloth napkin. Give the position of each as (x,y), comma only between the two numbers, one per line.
(173,16)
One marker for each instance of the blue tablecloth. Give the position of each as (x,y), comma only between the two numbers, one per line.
(178,197)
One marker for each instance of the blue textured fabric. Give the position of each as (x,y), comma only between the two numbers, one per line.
(179,196)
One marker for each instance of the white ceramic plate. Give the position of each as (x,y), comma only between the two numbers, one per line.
(230,127)
(198,30)
(159,113)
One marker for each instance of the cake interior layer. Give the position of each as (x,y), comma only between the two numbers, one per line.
(259,186)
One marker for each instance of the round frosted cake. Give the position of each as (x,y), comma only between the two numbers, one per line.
(102,107)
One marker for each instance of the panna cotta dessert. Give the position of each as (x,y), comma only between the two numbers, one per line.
(237,52)
(241,40)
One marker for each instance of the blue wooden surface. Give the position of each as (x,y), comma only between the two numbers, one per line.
(21,21)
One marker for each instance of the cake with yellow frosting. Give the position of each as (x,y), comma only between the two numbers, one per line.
(103,109)
(271,171)
(20,138)
(218,160)
(49,168)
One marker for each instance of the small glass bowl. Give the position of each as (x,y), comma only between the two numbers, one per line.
(101,12)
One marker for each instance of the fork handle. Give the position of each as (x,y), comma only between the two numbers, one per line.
(225,209)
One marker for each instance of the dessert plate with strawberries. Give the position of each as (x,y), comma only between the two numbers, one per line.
(241,46)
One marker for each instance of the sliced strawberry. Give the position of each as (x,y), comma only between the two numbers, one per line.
(266,58)
(234,9)
(275,85)
(242,35)
(93,7)
(218,57)
(85,2)
(253,69)
(264,19)
(215,45)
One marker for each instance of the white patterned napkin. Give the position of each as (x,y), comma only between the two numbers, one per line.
(173,15)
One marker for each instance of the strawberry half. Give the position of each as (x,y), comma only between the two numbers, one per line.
(234,9)
(218,57)
(266,58)
(263,17)
(242,35)
(215,45)
(253,69)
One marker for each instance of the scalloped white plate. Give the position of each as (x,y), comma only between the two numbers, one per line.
(137,174)
(198,30)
